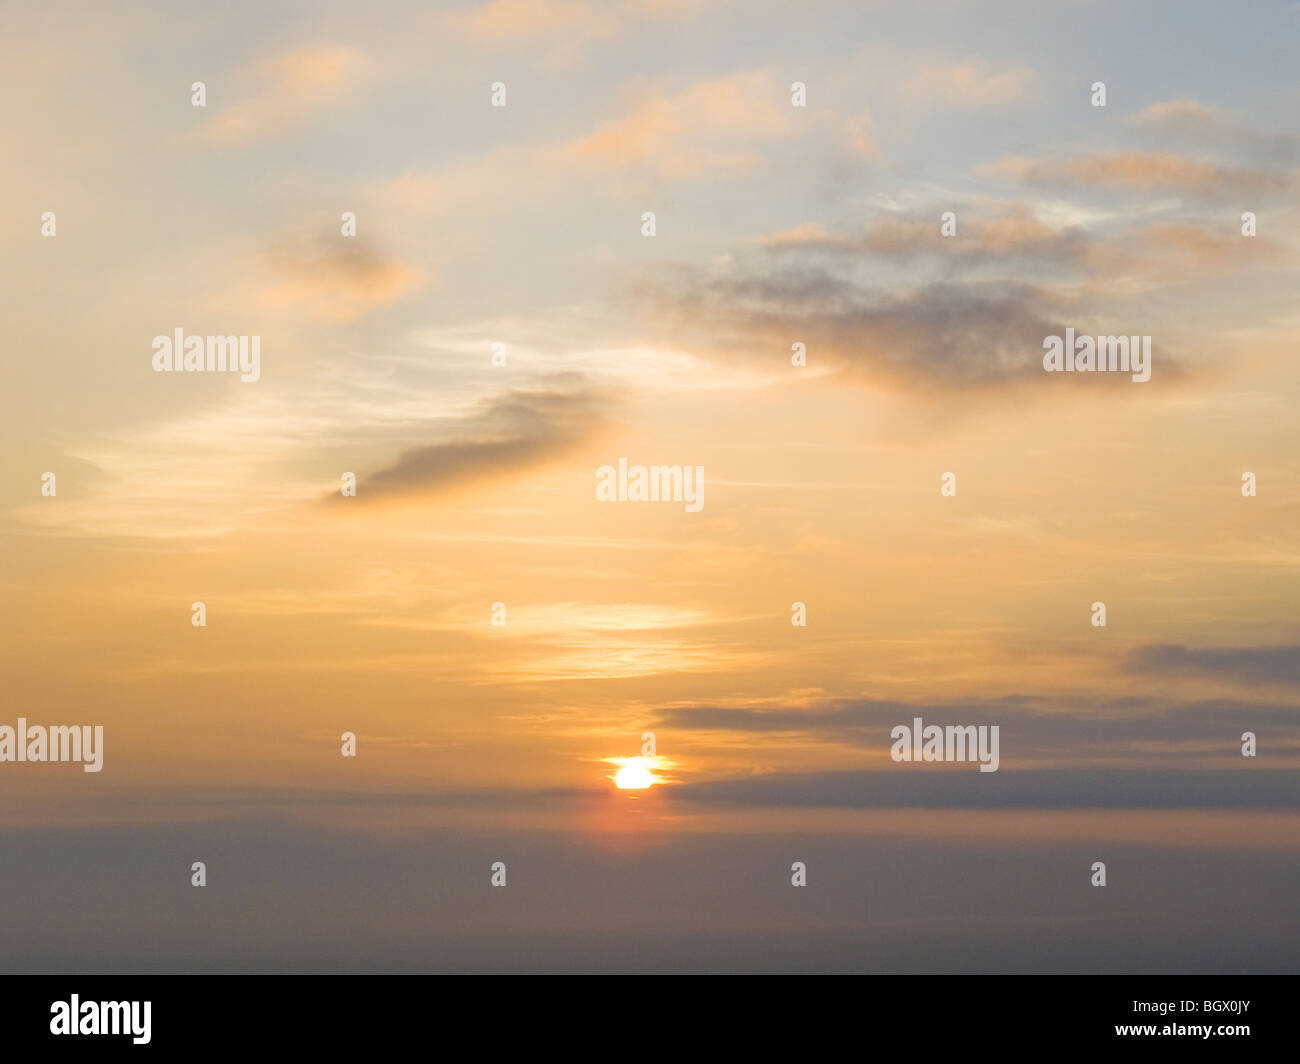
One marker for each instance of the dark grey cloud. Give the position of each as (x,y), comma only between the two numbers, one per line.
(1244,665)
(954,334)
(520,431)
(969,336)
(962,786)
(945,336)
(1029,727)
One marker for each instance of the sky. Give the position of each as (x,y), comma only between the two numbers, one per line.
(523,225)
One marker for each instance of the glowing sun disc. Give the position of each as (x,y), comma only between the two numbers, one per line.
(634,776)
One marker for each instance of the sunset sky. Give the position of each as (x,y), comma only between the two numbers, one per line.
(776,225)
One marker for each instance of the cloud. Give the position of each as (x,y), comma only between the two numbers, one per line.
(1016,232)
(944,786)
(503,437)
(1193,122)
(523,18)
(1186,241)
(287,87)
(938,335)
(1187,115)
(805,235)
(941,334)
(707,128)
(857,136)
(475,186)
(1061,729)
(1109,258)
(1244,665)
(967,312)
(971,84)
(417,193)
(1169,253)
(1132,170)
(164,479)
(505,19)
(723,127)
(332,279)
(560,34)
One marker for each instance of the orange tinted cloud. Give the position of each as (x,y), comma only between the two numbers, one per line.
(706,128)
(288,86)
(1186,112)
(1131,170)
(525,18)
(972,84)
(1016,232)
(805,235)
(334,280)
(505,18)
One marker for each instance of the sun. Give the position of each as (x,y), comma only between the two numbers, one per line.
(635,775)
(639,774)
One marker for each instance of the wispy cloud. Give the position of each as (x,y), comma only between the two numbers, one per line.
(1133,170)
(971,83)
(971,336)
(279,91)
(1249,666)
(706,128)
(523,430)
(1193,123)
(580,21)
(946,787)
(332,279)
(1064,729)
